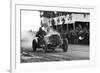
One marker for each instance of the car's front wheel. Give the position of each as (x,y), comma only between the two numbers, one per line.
(65,45)
(44,46)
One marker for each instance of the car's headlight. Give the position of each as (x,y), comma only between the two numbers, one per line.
(81,38)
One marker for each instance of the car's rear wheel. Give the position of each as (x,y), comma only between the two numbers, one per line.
(44,46)
(65,45)
(34,45)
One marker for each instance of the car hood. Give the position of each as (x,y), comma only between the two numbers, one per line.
(52,36)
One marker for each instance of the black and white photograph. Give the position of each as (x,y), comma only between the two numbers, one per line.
(52,36)
(46,37)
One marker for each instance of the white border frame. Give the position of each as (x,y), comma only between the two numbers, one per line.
(15,37)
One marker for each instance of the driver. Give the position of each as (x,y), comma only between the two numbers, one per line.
(41,33)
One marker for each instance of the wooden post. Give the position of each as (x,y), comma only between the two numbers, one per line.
(74,26)
(67,27)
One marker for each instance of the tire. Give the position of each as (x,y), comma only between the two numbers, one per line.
(65,45)
(34,45)
(44,47)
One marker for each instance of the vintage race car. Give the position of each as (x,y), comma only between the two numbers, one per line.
(51,40)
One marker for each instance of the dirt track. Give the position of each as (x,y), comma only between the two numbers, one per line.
(75,52)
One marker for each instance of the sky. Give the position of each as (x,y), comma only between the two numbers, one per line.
(30,20)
